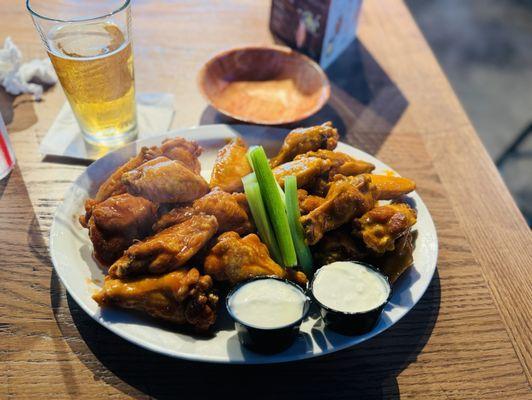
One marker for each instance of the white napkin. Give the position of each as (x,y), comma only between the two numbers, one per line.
(155,112)
(15,77)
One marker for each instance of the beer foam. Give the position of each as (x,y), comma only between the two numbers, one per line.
(88,40)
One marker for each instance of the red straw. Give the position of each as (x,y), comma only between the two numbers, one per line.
(5,151)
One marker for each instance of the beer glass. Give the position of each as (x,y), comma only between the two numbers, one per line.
(89,44)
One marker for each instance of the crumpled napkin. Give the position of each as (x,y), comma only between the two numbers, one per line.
(15,76)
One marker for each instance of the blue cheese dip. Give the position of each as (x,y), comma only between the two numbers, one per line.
(350,287)
(267,304)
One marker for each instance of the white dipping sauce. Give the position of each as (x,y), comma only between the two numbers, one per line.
(350,287)
(267,303)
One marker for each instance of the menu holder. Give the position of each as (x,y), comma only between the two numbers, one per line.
(321,29)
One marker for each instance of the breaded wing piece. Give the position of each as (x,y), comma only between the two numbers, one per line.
(381,226)
(348,197)
(235,259)
(307,170)
(230,211)
(167,250)
(302,140)
(116,222)
(165,181)
(230,166)
(181,297)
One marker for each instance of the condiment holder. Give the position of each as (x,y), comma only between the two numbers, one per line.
(267,340)
(268,85)
(351,323)
(277,338)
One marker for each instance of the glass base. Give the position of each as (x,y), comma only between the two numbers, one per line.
(5,172)
(113,140)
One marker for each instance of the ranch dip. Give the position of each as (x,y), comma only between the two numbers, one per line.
(350,287)
(267,303)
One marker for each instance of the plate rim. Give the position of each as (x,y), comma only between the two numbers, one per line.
(217,359)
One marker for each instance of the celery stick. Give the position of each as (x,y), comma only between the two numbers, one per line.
(292,209)
(248,155)
(274,204)
(252,189)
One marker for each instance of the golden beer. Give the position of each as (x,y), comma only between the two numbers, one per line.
(94,63)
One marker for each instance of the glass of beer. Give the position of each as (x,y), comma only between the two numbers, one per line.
(89,44)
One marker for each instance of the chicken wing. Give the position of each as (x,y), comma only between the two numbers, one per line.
(125,213)
(116,222)
(302,140)
(165,181)
(337,164)
(230,166)
(166,250)
(392,187)
(348,197)
(181,297)
(179,149)
(308,202)
(113,185)
(235,259)
(174,216)
(341,163)
(339,245)
(307,170)
(381,226)
(394,263)
(175,149)
(230,211)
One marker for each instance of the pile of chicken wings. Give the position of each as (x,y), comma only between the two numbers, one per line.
(170,238)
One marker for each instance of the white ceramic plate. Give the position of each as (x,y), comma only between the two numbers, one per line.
(71,252)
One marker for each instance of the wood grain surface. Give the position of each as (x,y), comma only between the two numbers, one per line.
(468,338)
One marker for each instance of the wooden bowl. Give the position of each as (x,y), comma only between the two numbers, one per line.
(267,85)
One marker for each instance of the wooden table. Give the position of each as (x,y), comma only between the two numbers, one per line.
(468,338)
